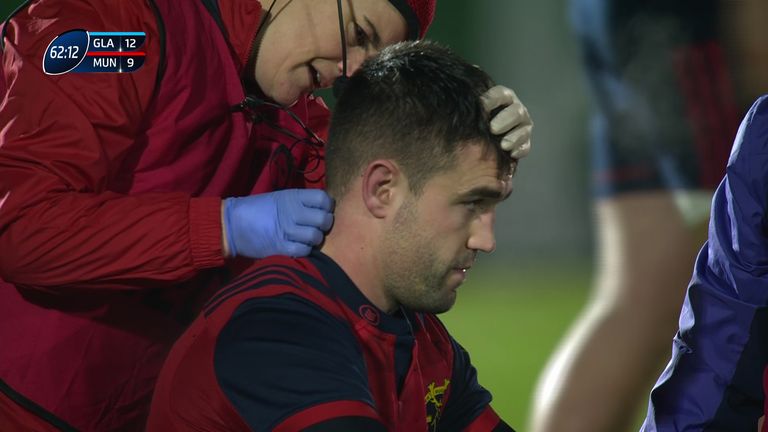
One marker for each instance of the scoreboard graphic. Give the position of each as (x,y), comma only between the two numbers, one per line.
(83,51)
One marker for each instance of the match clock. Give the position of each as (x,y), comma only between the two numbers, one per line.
(81,51)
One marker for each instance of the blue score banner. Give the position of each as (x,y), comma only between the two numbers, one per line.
(83,51)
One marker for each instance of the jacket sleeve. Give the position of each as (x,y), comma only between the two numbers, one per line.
(62,139)
(714,380)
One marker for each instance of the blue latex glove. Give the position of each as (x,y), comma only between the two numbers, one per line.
(287,222)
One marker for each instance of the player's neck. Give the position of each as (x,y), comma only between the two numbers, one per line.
(353,249)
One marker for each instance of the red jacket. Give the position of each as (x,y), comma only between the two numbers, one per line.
(110,192)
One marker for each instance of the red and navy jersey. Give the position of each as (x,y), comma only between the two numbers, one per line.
(294,345)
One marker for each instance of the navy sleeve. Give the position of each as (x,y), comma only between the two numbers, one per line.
(714,380)
(468,399)
(279,356)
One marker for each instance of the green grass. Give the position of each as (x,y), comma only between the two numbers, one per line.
(510,321)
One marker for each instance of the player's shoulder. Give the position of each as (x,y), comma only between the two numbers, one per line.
(299,270)
(290,309)
(291,291)
(270,277)
(278,325)
(278,356)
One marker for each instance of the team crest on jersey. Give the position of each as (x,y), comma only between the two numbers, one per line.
(434,402)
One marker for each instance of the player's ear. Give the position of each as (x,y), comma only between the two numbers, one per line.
(383,188)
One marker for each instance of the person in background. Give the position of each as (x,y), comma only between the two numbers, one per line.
(670,81)
(124,198)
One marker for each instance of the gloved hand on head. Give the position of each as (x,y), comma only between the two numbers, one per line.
(287,222)
(513,120)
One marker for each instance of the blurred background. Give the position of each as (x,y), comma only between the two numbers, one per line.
(519,301)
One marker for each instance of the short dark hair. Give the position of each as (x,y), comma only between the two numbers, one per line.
(417,103)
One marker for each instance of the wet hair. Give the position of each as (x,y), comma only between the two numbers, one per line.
(416,103)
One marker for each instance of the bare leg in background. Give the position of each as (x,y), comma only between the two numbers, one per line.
(602,372)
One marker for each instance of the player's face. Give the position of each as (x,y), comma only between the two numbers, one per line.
(301,48)
(435,236)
